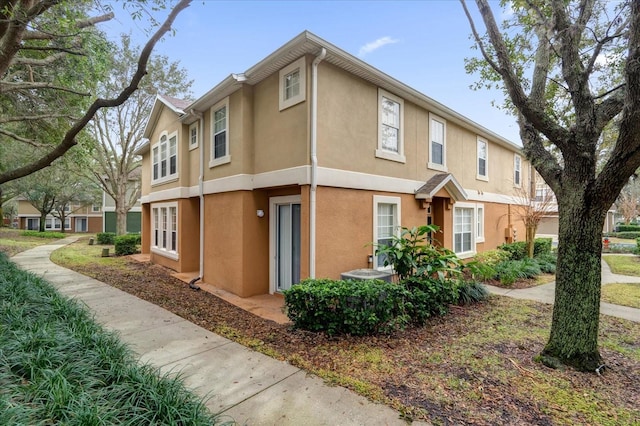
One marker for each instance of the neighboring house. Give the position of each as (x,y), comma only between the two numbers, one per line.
(134,219)
(295,167)
(86,218)
(549,224)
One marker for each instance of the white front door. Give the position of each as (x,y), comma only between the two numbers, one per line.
(285,242)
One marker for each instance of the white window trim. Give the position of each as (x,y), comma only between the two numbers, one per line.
(515,157)
(383,153)
(383,199)
(479,220)
(171,254)
(213,162)
(168,177)
(441,167)
(194,126)
(474,231)
(484,177)
(301,65)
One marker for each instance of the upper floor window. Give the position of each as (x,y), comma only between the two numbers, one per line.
(95,208)
(292,85)
(165,158)
(390,127)
(220,134)
(193,135)
(437,143)
(517,170)
(482,172)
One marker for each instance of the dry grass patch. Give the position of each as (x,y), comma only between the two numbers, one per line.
(625,294)
(623,265)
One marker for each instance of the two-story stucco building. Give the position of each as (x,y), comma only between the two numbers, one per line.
(294,167)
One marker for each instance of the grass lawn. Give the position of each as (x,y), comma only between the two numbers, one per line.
(57,366)
(473,366)
(622,294)
(11,242)
(623,265)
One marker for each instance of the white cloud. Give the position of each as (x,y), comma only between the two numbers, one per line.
(374,45)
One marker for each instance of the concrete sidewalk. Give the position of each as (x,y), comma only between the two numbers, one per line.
(546,294)
(251,388)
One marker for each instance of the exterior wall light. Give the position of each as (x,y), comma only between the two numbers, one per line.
(260,213)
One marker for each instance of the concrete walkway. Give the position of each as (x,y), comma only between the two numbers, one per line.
(247,386)
(546,294)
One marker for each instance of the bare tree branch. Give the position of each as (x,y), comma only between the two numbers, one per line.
(70,137)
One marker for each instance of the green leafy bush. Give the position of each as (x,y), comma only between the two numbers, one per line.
(513,270)
(45,234)
(429,297)
(471,292)
(106,238)
(628,228)
(637,249)
(126,244)
(517,250)
(547,263)
(493,257)
(348,306)
(412,254)
(541,246)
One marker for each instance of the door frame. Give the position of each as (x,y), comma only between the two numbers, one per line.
(273,241)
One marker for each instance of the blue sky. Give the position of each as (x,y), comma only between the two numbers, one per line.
(421,43)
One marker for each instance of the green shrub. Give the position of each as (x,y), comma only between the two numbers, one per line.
(541,246)
(637,248)
(493,257)
(348,306)
(628,228)
(627,235)
(471,292)
(106,238)
(547,263)
(517,250)
(126,244)
(513,270)
(429,297)
(45,234)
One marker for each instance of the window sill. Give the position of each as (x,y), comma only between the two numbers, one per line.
(165,253)
(164,180)
(192,147)
(439,167)
(220,161)
(482,178)
(466,254)
(391,156)
(479,239)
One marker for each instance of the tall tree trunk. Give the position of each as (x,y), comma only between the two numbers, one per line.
(121,220)
(530,239)
(576,314)
(43,219)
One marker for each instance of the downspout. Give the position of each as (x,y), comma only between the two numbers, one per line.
(201,195)
(314,162)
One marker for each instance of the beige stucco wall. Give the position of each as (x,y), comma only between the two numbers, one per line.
(26,208)
(189,234)
(348,138)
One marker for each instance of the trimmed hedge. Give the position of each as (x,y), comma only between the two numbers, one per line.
(106,238)
(126,244)
(374,306)
(628,228)
(348,306)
